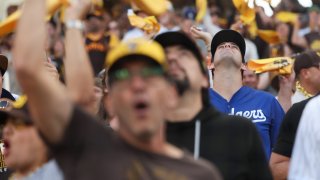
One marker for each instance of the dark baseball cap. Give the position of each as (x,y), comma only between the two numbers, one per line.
(228,35)
(174,38)
(3,64)
(306,59)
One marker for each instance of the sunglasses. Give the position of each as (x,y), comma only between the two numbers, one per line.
(125,74)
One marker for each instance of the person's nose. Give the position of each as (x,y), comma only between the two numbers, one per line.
(137,83)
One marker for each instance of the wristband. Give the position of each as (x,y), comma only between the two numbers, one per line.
(74,24)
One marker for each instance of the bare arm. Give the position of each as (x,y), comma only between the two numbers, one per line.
(279,166)
(285,91)
(48,102)
(296,39)
(202,35)
(79,74)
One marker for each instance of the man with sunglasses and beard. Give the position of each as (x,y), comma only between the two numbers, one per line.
(139,94)
(230,142)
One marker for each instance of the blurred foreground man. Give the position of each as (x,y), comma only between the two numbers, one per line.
(139,95)
(305,161)
(195,125)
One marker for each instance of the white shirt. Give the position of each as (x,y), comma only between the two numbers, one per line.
(297,97)
(251,50)
(49,171)
(305,160)
(138,33)
(133,33)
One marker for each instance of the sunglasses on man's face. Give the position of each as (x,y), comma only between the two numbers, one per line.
(125,74)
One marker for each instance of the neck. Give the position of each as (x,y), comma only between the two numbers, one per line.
(25,171)
(308,87)
(226,82)
(189,105)
(154,144)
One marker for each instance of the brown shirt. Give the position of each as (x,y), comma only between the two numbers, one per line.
(90,151)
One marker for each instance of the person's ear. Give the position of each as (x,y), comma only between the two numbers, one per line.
(109,103)
(211,66)
(304,73)
(205,82)
(244,67)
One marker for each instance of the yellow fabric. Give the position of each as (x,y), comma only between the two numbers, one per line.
(20,102)
(137,46)
(201,9)
(253,29)
(287,17)
(278,65)
(151,7)
(98,3)
(9,24)
(247,14)
(269,36)
(114,40)
(148,24)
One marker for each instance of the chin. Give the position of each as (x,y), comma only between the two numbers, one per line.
(145,135)
(9,163)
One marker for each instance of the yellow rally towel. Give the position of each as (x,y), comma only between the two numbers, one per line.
(287,17)
(278,65)
(247,14)
(269,36)
(9,24)
(148,24)
(151,7)
(201,9)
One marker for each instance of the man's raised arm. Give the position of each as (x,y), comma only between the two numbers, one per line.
(79,74)
(47,99)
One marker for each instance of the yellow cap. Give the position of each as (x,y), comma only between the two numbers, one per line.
(138,46)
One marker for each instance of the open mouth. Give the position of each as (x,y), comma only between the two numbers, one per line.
(6,144)
(141,108)
(141,105)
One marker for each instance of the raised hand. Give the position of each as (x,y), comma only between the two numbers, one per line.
(77,9)
(199,34)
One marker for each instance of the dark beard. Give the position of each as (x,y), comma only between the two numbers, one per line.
(182,85)
(145,136)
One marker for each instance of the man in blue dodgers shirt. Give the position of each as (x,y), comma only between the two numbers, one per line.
(230,96)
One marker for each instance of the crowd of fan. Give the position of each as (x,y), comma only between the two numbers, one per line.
(88,96)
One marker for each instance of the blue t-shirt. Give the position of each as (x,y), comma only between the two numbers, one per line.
(260,107)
